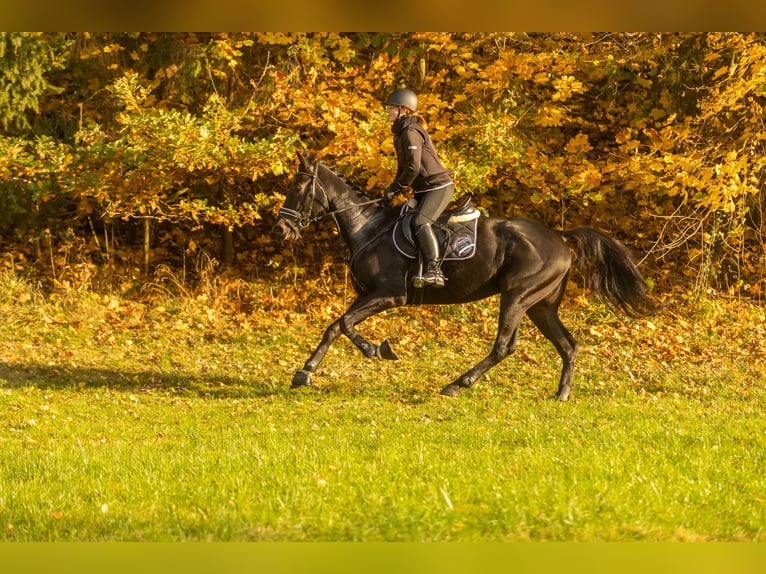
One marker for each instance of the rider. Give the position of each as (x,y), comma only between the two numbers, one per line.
(419,167)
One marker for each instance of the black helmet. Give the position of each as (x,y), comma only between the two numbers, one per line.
(403,97)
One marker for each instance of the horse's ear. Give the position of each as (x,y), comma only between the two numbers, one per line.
(304,161)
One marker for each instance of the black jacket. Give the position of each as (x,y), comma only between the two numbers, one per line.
(419,166)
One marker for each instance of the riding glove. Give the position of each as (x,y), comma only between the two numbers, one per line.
(390,192)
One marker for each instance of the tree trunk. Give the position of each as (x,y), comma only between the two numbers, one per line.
(227,238)
(147,244)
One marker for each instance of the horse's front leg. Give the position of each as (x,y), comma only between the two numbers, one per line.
(362,308)
(302,377)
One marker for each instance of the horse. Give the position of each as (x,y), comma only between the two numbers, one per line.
(522,260)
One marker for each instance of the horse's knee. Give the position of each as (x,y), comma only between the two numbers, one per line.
(500,352)
(505,344)
(332,332)
(345,328)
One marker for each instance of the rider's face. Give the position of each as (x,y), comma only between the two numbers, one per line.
(393,113)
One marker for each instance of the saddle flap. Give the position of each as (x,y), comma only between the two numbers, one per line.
(455,230)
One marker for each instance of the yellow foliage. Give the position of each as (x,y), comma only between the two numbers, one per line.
(565,87)
(185,126)
(550,116)
(578,144)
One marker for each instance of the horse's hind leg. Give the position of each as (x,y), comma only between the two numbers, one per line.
(545,316)
(505,344)
(362,308)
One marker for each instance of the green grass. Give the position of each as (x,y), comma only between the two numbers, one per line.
(123,421)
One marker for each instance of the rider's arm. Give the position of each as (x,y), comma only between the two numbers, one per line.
(409,162)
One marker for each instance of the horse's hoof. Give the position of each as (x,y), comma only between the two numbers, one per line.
(450,391)
(386,352)
(563,395)
(301,378)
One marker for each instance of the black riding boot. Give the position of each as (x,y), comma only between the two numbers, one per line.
(429,247)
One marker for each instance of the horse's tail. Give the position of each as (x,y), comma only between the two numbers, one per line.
(610,271)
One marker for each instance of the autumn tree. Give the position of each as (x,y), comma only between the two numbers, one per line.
(654,137)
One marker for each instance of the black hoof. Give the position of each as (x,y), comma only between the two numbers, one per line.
(450,391)
(386,352)
(301,378)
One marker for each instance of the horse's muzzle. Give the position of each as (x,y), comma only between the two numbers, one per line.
(286,230)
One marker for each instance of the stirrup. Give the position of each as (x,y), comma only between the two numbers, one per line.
(433,277)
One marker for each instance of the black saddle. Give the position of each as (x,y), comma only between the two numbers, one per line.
(455,229)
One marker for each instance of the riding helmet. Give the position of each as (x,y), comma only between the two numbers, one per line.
(403,97)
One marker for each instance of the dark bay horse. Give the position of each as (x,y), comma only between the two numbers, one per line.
(525,262)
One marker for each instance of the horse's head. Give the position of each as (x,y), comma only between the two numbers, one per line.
(301,206)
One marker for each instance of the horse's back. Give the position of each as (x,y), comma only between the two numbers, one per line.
(528,246)
(528,235)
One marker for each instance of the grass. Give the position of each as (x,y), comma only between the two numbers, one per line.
(170,421)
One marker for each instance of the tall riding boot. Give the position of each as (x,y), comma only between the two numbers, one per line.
(429,247)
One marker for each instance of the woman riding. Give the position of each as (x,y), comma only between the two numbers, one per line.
(419,168)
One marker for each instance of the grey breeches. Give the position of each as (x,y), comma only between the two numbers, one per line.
(432,203)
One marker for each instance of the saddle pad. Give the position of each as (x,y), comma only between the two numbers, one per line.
(459,237)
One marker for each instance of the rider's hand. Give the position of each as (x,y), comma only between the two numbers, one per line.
(390,192)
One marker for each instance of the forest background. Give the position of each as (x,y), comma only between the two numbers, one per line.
(130,160)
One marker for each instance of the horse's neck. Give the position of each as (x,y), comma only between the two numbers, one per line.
(351,216)
(357,220)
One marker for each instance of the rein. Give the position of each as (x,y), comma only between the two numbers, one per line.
(304,219)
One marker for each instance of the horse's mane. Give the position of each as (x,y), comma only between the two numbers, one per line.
(352,185)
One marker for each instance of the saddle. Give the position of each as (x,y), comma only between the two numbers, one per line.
(455,229)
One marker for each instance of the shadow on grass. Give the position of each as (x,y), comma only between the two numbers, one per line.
(213,385)
(19,375)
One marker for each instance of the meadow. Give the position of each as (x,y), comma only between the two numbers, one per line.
(171,419)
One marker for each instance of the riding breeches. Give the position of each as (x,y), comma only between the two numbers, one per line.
(432,203)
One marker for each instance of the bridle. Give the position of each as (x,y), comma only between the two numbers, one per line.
(297,220)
